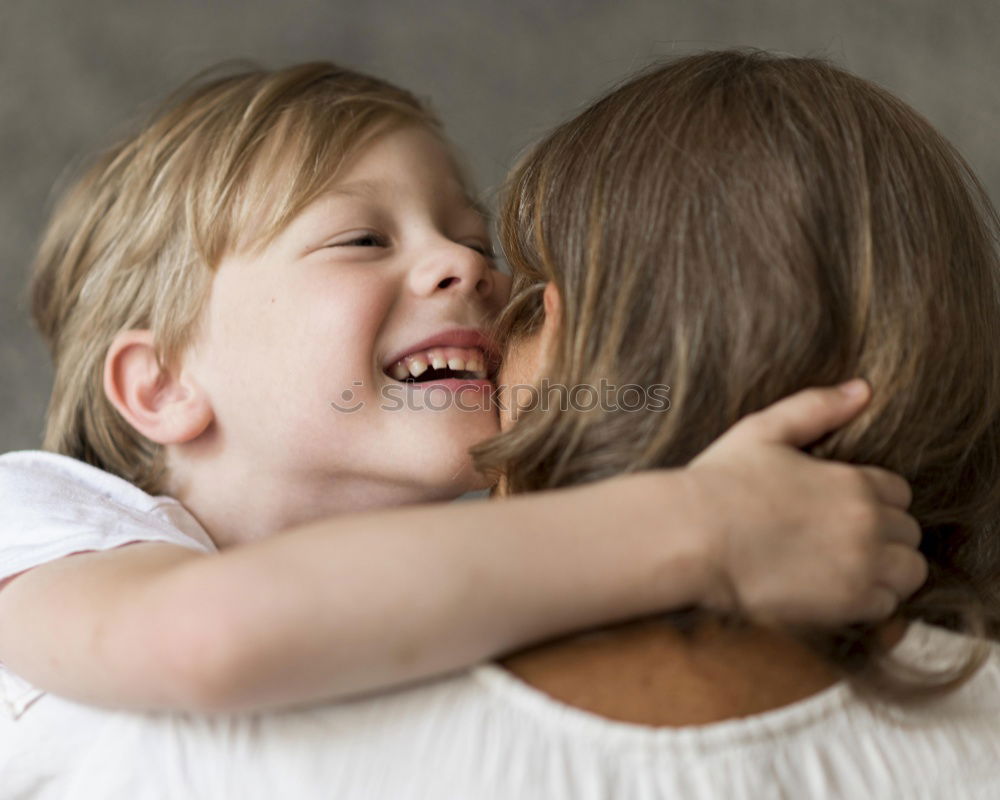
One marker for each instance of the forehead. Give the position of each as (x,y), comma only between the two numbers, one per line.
(409,170)
(409,160)
(402,163)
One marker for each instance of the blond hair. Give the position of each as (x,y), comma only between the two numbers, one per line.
(223,166)
(740,226)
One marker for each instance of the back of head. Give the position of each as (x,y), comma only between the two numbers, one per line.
(224,165)
(740,226)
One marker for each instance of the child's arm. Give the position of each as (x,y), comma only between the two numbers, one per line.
(359,602)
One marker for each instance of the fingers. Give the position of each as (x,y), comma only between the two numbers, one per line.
(805,416)
(901,569)
(900,528)
(880,603)
(890,488)
(901,572)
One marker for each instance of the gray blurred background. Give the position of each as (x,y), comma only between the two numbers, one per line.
(74,73)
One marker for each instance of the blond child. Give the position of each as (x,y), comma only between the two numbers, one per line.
(249,303)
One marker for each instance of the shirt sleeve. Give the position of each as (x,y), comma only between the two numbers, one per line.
(52,506)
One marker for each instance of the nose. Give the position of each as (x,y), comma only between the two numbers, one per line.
(454,267)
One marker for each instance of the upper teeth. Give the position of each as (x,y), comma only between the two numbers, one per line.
(466,359)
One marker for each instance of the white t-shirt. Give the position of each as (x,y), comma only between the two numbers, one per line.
(51,506)
(480,734)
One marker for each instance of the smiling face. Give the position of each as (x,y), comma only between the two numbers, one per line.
(388,273)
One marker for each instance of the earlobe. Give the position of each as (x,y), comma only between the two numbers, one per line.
(165,408)
(551,300)
(553,313)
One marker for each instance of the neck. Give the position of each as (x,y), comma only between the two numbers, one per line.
(650,673)
(237,501)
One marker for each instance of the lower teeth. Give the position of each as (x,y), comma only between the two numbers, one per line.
(442,374)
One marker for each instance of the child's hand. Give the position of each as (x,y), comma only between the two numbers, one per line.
(807,540)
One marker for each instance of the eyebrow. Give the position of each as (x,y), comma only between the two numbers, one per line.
(370,189)
(357,188)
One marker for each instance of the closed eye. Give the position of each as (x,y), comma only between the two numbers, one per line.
(366,239)
(485,250)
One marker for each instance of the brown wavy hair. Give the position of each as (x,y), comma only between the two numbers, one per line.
(740,226)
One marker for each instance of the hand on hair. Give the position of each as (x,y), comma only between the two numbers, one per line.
(803,540)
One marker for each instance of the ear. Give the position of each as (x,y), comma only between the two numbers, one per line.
(165,408)
(549,333)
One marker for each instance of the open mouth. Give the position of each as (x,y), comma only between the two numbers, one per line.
(443,363)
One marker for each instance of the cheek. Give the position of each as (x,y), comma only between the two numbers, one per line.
(323,337)
(501,283)
(352,313)
(338,367)
(506,419)
(284,357)
(520,362)
(232,346)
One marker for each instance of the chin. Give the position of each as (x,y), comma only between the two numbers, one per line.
(449,475)
(433,453)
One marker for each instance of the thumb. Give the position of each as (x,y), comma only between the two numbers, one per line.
(804,417)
